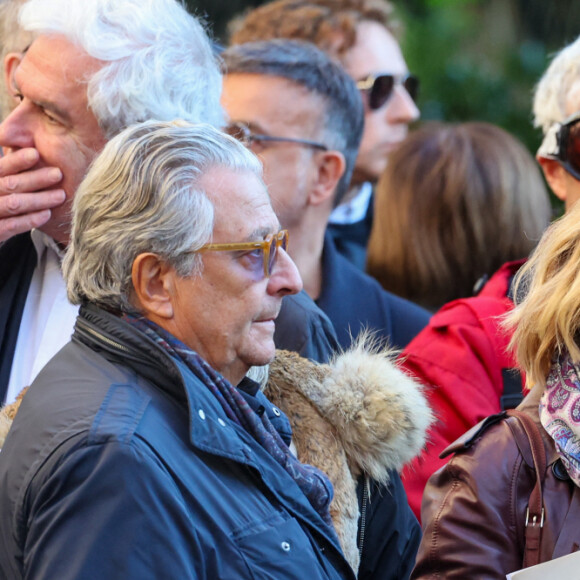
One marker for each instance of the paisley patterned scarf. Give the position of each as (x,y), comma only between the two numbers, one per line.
(560,412)
(314,483)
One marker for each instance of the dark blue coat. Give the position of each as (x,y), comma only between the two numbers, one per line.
(351,240)
(353,301)
(122,464)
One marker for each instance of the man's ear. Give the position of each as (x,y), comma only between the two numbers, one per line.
(153,285)
(331,167)
(555,175)
(11,62)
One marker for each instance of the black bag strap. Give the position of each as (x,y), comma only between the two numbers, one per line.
(535,510)
(512,394)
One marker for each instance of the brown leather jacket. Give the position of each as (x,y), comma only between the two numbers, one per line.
(474,508)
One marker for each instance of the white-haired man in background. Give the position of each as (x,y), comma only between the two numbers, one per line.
(92,68)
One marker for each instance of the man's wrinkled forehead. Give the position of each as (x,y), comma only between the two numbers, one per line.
(56,57)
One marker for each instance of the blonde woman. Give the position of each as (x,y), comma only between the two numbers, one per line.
(499,504)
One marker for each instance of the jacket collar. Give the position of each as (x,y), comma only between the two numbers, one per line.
(119,342)
(122,344)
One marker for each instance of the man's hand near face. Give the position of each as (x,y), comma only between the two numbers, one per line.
(26,196)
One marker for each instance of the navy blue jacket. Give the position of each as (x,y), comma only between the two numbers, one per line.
(353,301)
(122,464)
(17,262)
(351,240)
(302,327)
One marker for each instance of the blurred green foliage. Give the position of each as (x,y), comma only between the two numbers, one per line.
(469,72)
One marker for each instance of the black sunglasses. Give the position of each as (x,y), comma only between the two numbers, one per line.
(562,143)
(380,87)
(242,133)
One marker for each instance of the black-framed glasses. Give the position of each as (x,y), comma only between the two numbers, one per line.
(242,133)
(268,248)
(380,87)
(562,143)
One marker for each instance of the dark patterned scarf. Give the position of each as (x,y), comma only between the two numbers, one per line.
(313,482)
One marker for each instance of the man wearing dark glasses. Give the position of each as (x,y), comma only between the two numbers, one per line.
(359,34)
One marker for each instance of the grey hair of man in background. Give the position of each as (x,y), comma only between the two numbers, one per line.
(13,39)
(142,195)
(307,66)
(137,83)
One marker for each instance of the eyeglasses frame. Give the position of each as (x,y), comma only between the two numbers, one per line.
(368,83)
(248,137)
(281,240)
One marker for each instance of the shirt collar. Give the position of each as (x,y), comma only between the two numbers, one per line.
(43,242)
(355,209)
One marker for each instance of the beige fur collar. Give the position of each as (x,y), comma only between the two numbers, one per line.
(360,414)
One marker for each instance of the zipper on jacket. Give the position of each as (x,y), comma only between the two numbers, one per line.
(81,326)
(363,516)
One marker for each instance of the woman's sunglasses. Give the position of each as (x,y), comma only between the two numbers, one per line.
(380,88)
(562,143)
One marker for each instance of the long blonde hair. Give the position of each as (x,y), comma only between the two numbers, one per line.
(548,318)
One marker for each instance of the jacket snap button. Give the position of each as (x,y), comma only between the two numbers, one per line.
(201,414)
(285,546)
(276,411)
(559,471)
(221,422)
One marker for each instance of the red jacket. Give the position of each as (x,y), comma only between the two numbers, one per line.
(459,357)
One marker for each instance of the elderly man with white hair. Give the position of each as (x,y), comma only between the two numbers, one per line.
(92,68)
(133,455)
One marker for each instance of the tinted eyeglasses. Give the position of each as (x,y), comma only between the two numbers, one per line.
(242,133)
(380,88)
(267,247)
(562,143)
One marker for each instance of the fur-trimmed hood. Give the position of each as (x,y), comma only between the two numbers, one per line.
(358,415)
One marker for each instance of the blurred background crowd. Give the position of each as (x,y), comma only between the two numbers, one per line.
(477,59)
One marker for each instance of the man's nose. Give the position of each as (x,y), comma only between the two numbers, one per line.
(285,278)
(16,129)
(401,108)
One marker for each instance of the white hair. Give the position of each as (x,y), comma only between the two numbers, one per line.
(159,62)
(552,91)
(142,194)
